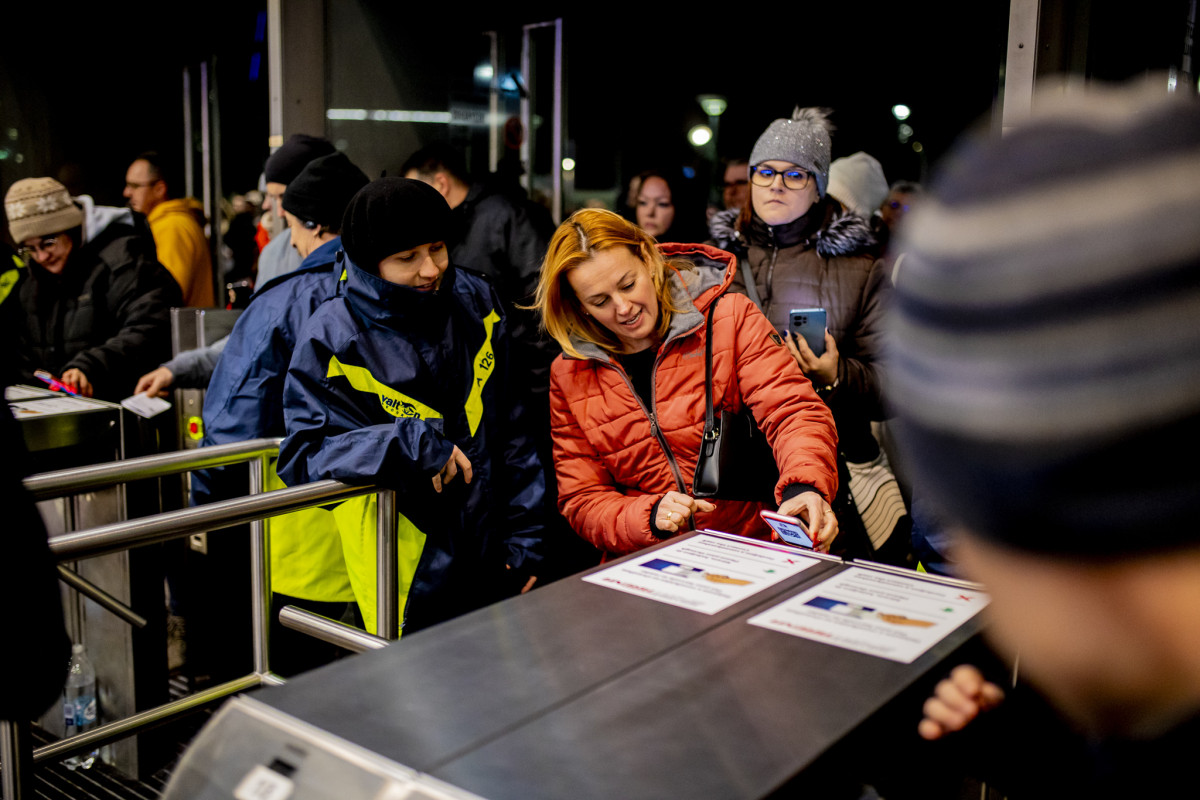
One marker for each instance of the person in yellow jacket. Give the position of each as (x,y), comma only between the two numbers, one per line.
(177,224)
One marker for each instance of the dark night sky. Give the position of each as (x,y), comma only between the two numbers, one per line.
(97,86)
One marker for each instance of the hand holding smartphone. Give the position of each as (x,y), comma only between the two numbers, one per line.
(809,324)
(789,529)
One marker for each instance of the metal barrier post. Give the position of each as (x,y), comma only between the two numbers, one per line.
(16,752)
(329,630)
(260,578)
(387,592)
(15,757)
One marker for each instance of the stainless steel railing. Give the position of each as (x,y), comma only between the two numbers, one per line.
(254,508)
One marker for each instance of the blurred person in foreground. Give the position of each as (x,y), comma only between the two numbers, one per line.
(1046,371)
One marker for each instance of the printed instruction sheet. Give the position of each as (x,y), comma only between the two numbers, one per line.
(705,573)
(21,392)
(50,406)
(878,613)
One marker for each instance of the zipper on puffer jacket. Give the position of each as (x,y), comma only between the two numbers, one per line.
(766,301)
(657,431)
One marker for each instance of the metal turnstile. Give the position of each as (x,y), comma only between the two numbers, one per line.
(60,432)
(573,690)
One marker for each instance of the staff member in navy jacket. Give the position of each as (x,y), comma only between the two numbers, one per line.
(403,380)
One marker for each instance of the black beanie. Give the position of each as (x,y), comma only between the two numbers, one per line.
(322,190)
(391,215)
(285,163)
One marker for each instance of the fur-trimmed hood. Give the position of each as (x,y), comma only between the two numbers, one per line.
(842,234)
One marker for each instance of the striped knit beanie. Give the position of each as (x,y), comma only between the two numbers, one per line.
(1044,341)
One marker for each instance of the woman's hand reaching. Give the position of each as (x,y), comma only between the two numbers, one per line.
(818,517)
(676,509)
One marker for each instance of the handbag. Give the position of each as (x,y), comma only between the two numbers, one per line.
(735,461)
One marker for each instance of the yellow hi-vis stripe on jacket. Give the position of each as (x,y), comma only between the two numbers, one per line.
(484,365)
(356,520)
(357,517)
(393,402)
(8,278)
(306,553)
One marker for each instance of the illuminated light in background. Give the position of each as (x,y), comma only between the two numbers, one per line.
(901,111)
(568,164)
(905,132)
(484,73)
(508,84)
(4,154)
(917,147)
(713,104)
(700,135)
(12,134)
(388,115)
(255,62)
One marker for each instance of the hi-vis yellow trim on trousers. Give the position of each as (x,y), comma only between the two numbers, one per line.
(393,402)
(485,364)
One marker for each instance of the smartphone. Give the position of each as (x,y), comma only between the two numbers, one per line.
(53,382)
(809,324)
(790,529)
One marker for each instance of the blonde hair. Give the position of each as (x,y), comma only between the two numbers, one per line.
(577,241)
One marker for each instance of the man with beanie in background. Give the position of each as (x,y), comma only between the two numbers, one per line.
(193,368)
(93,305)
(1045,360)
(404,379)
(282,167)
(177,224)
(245,401)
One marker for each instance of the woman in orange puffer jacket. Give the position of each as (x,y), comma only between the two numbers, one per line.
(627,395)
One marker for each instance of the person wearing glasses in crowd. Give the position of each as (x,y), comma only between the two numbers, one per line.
(93,305)
(799,248)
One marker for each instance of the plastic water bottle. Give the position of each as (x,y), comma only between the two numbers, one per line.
(79,704)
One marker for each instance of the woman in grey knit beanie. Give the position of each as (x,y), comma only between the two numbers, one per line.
(799,248)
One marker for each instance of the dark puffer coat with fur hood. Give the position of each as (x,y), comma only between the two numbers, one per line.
(821,261)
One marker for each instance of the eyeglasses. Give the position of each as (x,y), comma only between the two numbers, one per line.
(44,245)
(792,178)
